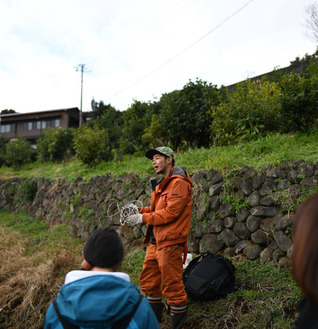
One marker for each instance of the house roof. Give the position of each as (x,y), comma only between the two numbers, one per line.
(37,115)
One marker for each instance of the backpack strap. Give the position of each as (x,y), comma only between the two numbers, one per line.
(123,323)
(66,324)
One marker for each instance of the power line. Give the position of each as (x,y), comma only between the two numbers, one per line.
(149,29)
(184,50)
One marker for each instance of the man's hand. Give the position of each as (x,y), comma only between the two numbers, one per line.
(131,207)
(133,220)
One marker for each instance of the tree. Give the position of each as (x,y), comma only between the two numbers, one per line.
(6,111)
(55,144)
(252,109)
(18,152)
(91,145)
(299,99)
(311,21)
(136,119)
(107,117)
(185,113)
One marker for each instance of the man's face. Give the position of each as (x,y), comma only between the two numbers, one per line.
(161,164)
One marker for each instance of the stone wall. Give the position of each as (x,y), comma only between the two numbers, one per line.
(242,212)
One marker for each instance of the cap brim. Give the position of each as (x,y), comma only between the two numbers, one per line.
(151,153)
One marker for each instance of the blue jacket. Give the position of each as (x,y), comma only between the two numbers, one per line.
(98,302)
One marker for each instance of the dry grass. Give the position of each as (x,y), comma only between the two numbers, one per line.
(28,283)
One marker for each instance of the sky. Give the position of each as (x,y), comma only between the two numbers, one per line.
(140,49)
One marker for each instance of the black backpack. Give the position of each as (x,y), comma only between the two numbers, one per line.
(209,277)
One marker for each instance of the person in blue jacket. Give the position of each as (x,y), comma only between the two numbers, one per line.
(99,296)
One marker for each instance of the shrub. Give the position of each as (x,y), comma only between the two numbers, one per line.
(92,145)
(18,152)
(253,109)
(299,99)
(55,144)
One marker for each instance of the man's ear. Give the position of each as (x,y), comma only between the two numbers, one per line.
(85,264)
(169,160)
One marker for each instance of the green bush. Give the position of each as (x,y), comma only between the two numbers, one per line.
(92,145)
(251,110)
(55,144)
(299,99)
(18,152)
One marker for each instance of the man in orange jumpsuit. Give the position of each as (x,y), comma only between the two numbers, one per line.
(169,222)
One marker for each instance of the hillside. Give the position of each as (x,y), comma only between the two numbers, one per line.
(35,257)
(270,150)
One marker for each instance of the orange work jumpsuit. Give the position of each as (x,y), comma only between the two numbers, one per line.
(169,222)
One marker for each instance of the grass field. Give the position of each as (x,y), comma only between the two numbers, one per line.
(36,257)
(270,150)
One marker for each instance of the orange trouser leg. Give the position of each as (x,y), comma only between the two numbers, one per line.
(150,277)
(162,275)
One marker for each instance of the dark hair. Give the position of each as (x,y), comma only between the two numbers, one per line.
(104,248)
(304,258)
(166,157)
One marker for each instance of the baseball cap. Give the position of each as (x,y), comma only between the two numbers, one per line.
(163,150)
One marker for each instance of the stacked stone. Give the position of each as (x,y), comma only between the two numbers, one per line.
(242,212)
(262,226)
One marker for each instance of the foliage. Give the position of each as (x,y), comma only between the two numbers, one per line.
(155,134)
(55,144)
(91,145)
(107,117)
(18,152)
(299,99)
(7,111)
(136,119)
(252,109)
(272,150)
(184,115)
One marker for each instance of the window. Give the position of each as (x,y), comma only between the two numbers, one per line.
(7,128)
(30,125)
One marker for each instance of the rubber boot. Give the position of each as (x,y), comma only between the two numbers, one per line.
(177,320)
(157,309)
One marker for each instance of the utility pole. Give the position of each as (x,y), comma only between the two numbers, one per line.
(81,67)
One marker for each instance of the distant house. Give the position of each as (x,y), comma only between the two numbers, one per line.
(30,125)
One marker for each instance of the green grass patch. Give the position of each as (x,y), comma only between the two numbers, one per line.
(270,150)
(38,235)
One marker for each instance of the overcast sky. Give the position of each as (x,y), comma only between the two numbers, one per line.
(139,49)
